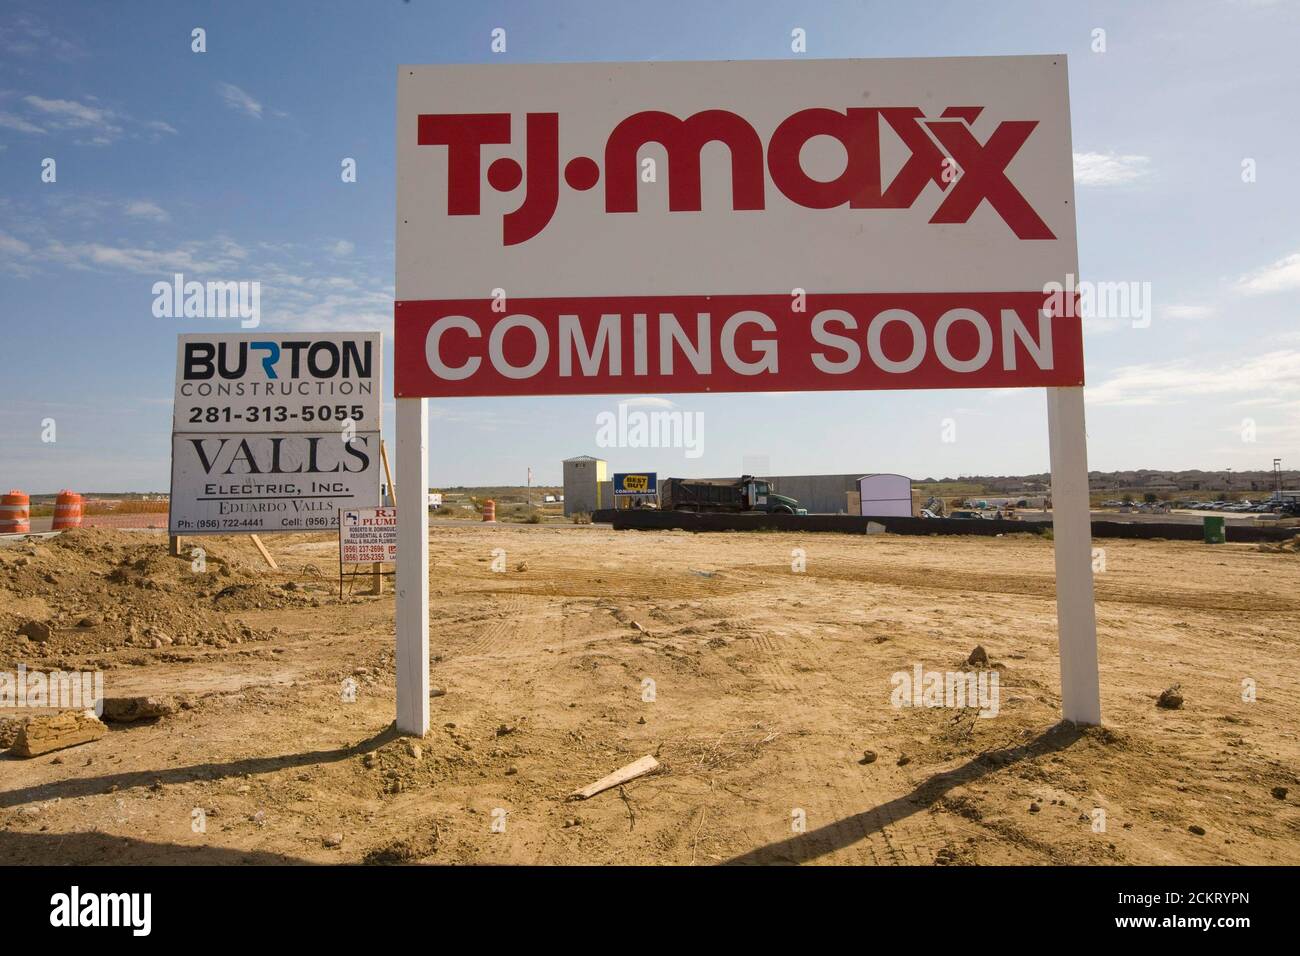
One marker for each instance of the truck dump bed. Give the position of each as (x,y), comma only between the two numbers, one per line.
(677,494)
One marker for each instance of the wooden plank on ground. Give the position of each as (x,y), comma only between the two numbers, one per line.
(638,768)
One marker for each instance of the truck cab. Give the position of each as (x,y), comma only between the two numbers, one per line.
(760,497)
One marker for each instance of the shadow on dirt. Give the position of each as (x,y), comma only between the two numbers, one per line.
(88,786)
(102,849)
(805,847)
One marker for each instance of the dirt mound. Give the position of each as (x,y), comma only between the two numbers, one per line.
(92,591)
(1290,546)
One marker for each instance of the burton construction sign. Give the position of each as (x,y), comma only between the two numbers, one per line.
(274,432)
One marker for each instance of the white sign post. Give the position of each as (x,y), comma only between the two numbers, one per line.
(1076,610)
(412,565)
(793,225)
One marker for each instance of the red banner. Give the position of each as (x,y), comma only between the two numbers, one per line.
(733,343)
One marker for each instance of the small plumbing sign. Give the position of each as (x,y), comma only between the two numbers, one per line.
(367,535)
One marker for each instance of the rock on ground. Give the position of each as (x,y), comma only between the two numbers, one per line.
(41,735)
(125,710)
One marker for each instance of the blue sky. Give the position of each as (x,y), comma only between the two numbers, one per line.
(225,165)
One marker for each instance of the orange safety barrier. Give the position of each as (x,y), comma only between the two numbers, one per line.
(15,513)
(67,511)
(489,510)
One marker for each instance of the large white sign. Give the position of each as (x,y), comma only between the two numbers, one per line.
(367,535)
(626,179)
(685,227)
(643,228)
(274,431)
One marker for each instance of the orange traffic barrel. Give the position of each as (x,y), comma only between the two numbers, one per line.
(15,513)
(67,511)
(489,510)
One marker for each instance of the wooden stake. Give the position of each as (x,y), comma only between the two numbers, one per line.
(266,555)
(388,472)
(174,545)
(376,569)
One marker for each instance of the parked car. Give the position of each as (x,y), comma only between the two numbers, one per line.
(966,514)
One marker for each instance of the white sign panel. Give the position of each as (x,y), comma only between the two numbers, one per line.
(233,483)
(787,225)
(698,178)
(274,431)
(367,535)
(278,382)
(885,496)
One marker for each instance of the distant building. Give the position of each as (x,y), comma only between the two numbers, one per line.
(583,477)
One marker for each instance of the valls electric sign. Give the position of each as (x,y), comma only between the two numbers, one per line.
(681,227)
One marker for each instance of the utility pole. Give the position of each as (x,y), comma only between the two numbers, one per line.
(530,488)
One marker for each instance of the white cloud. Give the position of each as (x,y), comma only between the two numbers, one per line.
(102,125)
(239,101)
(10,121)
(647,401)
(1109,169)
(1281,276)
(12,246)
(296,293)
(195,257)
(1275,373)
(1188,311)
(342,248)
(144,209)
(69,111)
(26,35)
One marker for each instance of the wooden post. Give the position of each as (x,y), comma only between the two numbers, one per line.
(174,545)
(266,555)
(388,473)
(1076,612)
(413,569)
(377,567)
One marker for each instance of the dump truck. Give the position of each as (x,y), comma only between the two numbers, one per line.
(746,493)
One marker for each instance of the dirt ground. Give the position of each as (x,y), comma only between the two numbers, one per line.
(769,687)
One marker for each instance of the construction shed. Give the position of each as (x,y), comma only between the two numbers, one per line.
(586,485)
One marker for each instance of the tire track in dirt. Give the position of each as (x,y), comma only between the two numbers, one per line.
(865,826)
(627,586)
(772,667)
(1044,586)
(496,635)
